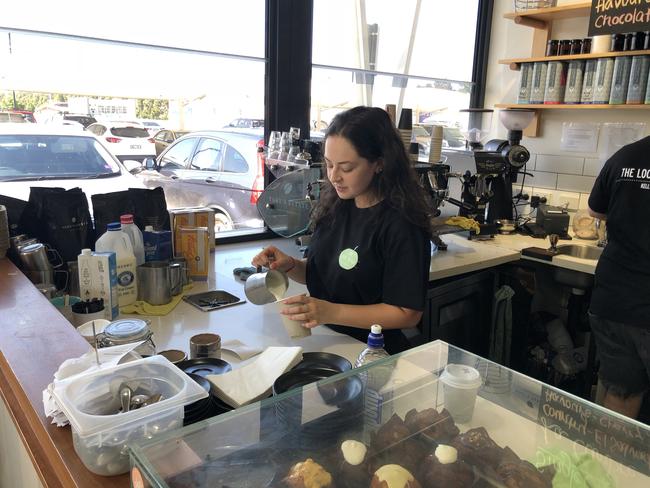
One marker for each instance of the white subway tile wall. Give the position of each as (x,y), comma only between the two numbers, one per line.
(582,184)
(592,166)
(542,179)
(559,164)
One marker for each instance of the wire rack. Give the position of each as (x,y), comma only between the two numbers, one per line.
(521,5)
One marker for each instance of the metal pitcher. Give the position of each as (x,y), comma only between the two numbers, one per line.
(267,287)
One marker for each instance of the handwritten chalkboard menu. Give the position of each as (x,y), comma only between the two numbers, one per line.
(619,16)
(597,430)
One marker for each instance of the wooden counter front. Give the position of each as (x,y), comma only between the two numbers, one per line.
(34,340)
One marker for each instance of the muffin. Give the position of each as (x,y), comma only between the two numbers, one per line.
(391,433)
(395,444)
(393,476)
(439,427)
(308,474)
(523,474)
(443,469)
(477,448)
(353,466)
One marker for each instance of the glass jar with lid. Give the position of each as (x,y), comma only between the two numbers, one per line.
(126,331)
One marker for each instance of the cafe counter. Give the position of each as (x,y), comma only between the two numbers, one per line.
(35,339)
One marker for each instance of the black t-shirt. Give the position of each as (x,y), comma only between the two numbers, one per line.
(368,256)
(622,191)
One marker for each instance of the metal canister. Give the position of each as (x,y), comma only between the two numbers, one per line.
(555,82)
(525,83)
(638,79)
(574,77)
(539,82)
(620,80)
(588,81)
(126,331)
(603,80)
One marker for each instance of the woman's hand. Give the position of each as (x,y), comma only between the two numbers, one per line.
(273,258)
(309,310)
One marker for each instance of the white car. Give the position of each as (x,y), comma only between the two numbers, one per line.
(125,140)
(58,156)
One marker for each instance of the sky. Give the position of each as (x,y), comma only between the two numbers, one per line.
(45,63)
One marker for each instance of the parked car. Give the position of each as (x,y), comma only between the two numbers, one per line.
(452,138)
(165,137)
(84,120)
(12,117)
(246,123)
(151,126)
(61,156)
(218,169)
(125,140)
(28,115)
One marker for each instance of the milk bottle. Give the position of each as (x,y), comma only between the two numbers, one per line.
(135,234)
(114,240)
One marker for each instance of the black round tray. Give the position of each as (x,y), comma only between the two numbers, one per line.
(204,366)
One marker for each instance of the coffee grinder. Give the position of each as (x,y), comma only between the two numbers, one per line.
(497,166)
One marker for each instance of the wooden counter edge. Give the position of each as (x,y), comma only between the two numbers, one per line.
(50,448)
(39,445)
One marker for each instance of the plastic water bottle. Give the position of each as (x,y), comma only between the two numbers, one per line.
(375,349)
(135,234)
(376,404)
(114,240)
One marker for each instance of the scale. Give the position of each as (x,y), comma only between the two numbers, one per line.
(212,300)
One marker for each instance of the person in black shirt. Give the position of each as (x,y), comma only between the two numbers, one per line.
(620,301)
(369,255)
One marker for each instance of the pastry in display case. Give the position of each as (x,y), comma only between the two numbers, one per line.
(408,431)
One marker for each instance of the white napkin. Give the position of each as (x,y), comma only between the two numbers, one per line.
(87,363)
(239,349)
(253,381)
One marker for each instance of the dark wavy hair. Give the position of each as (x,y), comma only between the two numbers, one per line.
(374,136)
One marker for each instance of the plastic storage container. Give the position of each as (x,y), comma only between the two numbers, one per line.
(100,433)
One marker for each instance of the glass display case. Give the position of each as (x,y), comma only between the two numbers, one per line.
(389,425)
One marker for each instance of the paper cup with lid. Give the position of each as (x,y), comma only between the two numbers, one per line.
(460,386)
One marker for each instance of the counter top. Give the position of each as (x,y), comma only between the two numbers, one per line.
(35,339)
(254,325)
(481,254)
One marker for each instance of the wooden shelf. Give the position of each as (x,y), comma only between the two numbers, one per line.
(576,106)
(515,62)
(549,14)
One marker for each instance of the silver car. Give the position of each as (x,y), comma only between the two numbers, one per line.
(218,169)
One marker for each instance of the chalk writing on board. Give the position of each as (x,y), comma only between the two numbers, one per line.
(623,441)
(619,16)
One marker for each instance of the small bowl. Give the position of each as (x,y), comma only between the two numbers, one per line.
(506,226)
(86,329)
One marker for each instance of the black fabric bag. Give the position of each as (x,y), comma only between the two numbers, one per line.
(148,207)
(15,208)
(60,218)
(107,208)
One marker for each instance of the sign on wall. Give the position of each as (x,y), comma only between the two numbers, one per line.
(619,16)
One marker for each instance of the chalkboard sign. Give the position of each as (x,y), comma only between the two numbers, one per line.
(619,16)
(620,440)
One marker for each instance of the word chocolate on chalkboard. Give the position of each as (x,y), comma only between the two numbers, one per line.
(619,16)
(621,440)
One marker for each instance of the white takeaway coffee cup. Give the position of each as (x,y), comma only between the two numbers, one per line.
(460,386)
(293,327)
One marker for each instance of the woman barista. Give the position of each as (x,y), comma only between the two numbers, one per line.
(368,259)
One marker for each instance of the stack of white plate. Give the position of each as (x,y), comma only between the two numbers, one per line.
(4,231)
